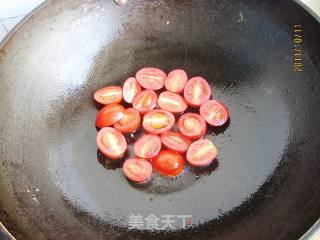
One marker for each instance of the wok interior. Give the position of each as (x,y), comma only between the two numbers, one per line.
(267,155)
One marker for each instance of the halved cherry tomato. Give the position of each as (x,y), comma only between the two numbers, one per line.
(145,101)
(130,89)
(111,143)
(151,78)
(197,91)
(175,141)
(107,95)
(109,115)
(192,125)
(158,121)
(129,122)
(168,163)
(176,80)
(214,112)
(137,170)
(147,146)
(172,102)
(201,153)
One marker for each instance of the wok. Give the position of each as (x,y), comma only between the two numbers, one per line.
(265,183)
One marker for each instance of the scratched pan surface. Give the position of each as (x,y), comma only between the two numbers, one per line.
(265,184)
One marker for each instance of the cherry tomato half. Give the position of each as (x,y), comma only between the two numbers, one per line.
(131,88)
(111,143)
(109,115)
(214,112)
(172,102)
(145,101)
(168,163)
(158,121)
(197,91)
(176,80)
(175,141)
(147,146)
(201,153)
(129,122)
(137,170)
(192,125)
(151,78)
(107,95)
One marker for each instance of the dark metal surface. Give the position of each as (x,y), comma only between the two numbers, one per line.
(266,183)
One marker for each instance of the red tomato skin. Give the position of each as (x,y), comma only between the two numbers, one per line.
(176,85)
(109,115)
(205,84)
(172,102)
(131,88)
(136,103)
(134,124)
(202,126)
(142,78)
(169,143)
(221,106)
(147,170)
(168,163)
(116,98)
(150,129)
(103,149)
(196,148)
(154,142)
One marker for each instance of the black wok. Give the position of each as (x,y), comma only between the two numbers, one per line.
(265,184)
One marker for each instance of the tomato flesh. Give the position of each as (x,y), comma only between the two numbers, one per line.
(109,115)
(158,121)
(197,91)
(176,80)
(192,125)
(156,115)
(147,146)
(151,78)
(214,112)
(111,143)
(175,141)
(145,101)
(201,153)
(172,102)
(129,122)
(131,88)
(137,170)
(107,95)
(168,163)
